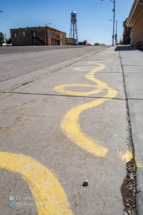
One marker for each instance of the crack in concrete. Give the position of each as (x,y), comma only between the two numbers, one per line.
(131,164)
(46,94)
(135,99)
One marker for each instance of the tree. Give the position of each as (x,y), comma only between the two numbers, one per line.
(8,41)
(99,44)
(96,44)
(1,38)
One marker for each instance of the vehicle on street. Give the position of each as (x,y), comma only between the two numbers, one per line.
(74,43)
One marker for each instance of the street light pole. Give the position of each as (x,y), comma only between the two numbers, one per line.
(87,40)
(116,31)
(114,17)
(0,40)
(45,32)
(90,40)
(113,1)
(113,32)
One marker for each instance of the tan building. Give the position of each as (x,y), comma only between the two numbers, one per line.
(37,36)
(62,38)
(135,21)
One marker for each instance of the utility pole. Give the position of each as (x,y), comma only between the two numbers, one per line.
(113,32)
(113,36)
(5,38)
(113,23)
(0,40)
(116,33)
(73,31)
(116,39)
(87,39)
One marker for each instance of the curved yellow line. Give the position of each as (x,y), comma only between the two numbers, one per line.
(48,194)
(60,89)
(69,124)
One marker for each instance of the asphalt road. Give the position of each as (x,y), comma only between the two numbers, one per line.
(66,144)
(17,49)
(27,59)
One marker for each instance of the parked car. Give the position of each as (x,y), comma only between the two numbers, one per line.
(81,43)
(74,43)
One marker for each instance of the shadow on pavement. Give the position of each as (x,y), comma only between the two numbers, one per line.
(125,48)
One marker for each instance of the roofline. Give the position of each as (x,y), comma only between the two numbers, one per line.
(134,6)
(37,28)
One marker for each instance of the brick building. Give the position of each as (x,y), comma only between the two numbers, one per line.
(70,40)
(37,36)
(126,34)
(135,21)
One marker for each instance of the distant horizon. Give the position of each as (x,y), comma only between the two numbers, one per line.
(25,13)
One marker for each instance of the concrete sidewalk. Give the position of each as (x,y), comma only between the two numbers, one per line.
(65,137)
(132,62)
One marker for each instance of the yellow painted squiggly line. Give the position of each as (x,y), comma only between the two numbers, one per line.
(70,126)
(49,196)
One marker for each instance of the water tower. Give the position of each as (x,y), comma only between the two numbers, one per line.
(73,29)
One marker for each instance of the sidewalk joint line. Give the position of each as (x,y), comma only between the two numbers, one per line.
(47,94)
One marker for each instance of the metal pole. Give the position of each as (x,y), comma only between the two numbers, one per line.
(113,32)
(116,33)
(114,20)
(73,31)
(45,35)
(34,37)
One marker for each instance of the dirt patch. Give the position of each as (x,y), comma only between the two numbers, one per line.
(128,189)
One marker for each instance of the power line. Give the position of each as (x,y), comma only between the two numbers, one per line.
(5,23)
(9,21)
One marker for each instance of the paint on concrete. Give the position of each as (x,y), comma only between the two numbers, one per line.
(70,126)
(48,194)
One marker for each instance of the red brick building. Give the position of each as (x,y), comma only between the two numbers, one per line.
(126,34)
(70,40)
(37,36)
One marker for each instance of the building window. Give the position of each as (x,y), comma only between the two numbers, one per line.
(15,35)
(61,36)
(23,33)
(51,34)
(34,34)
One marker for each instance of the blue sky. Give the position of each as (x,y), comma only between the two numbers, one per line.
(92,16)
